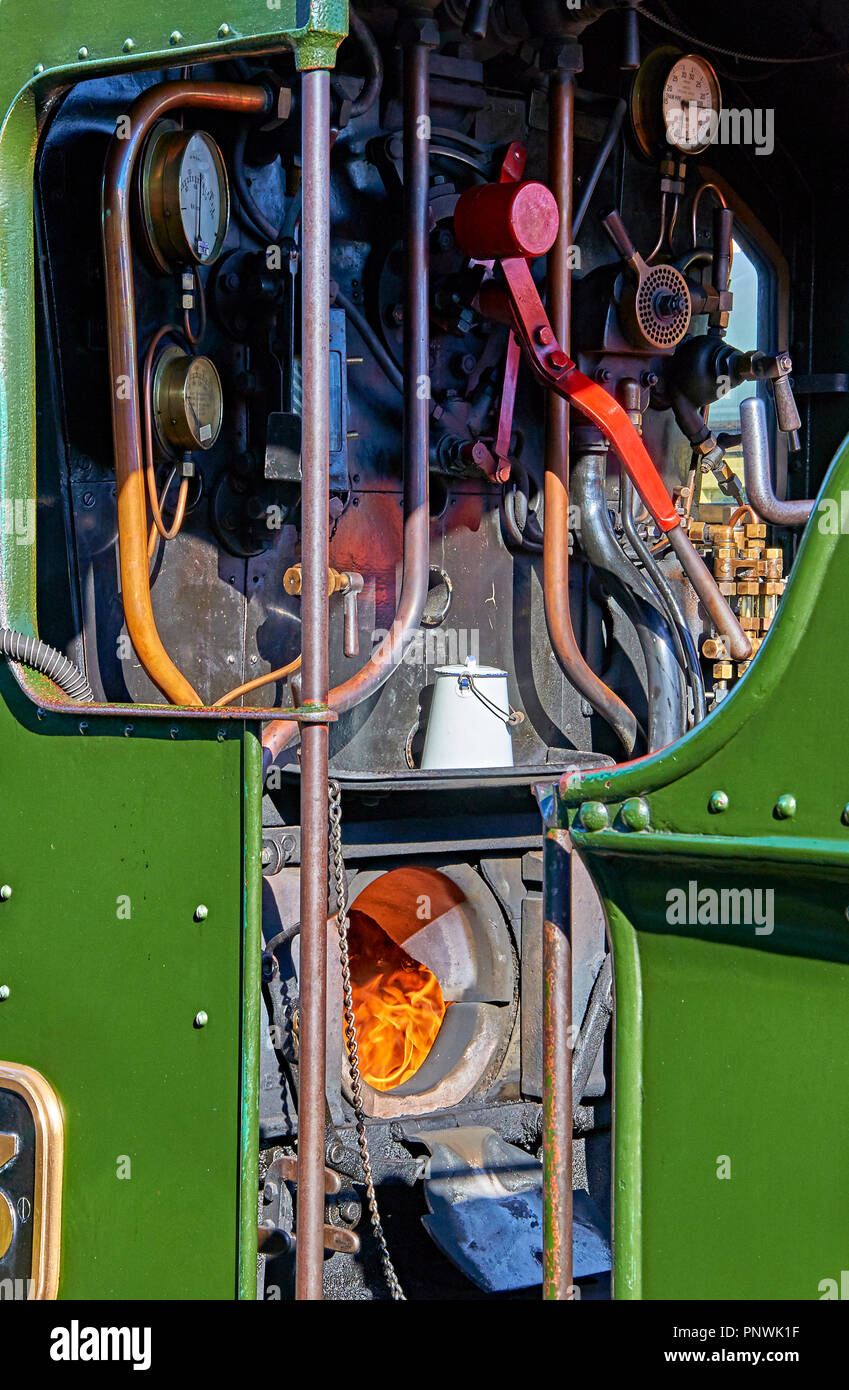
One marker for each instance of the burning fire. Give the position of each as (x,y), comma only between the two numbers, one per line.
(398,1005)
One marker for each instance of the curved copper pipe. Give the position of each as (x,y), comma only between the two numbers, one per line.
(416,547)
(555,555)
(121,325)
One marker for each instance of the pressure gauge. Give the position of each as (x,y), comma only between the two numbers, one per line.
(188,403)
(184,200)
(690,104)
(675,103)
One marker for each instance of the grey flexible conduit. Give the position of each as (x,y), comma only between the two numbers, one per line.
(30,651)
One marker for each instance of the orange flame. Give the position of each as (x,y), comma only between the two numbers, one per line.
(398,1005)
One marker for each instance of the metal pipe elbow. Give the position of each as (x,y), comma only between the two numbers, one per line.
(756,471)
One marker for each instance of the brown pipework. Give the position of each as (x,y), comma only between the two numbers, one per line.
(416,545)
(121,325)
(555,557)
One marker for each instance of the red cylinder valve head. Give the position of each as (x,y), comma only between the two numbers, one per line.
(493,221)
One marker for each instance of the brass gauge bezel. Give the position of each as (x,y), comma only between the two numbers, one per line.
(160,171)
(646,102)
(173,414)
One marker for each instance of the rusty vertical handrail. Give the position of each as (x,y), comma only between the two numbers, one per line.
(315,497)
(555,559)
(123,360)
(557,953)
(419,36)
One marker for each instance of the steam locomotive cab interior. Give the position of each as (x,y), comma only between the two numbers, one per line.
(580,402)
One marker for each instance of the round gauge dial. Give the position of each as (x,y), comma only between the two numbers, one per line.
(690,104)
(188,404)
(184,197)
(675,103)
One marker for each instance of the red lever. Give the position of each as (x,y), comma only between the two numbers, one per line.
(512,223)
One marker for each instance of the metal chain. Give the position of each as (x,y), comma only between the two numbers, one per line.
(337,868)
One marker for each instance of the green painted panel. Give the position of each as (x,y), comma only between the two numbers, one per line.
(110,842)
(102,1004)
(732,1039)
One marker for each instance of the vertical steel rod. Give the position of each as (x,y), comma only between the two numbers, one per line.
(416,350)
(557,1071)
(557,951)
(315,449)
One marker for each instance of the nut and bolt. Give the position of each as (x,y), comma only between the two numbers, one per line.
(335,1151)
(594,816)
(635,813)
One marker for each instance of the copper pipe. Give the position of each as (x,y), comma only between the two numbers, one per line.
(158,528)
(121,326)
(258,682)
(416,555)
(315,499)
(555,558)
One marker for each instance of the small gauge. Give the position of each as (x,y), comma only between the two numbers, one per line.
(675,103)
(690,104)
(188,403)
(184,199)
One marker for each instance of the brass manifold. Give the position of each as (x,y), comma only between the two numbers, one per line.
(347,583)
(751,576)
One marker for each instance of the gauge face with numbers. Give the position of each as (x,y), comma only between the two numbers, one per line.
(183,196)
(690,105)
(188,404)
(203,197)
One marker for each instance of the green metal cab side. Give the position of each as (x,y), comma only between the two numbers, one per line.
(724,870)
(141,1012)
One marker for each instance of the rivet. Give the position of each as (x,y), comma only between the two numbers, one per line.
(224,31)
(785,806)
(844,814)
(594,815)
(175,36)
(5,893)
(718,802)
(128,45)
(635,813)
(4,991)
(201,912)
(201,1018)
(83,53)
(38,70)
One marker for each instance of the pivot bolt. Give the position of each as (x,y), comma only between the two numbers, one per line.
(635,813)
(594,815)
